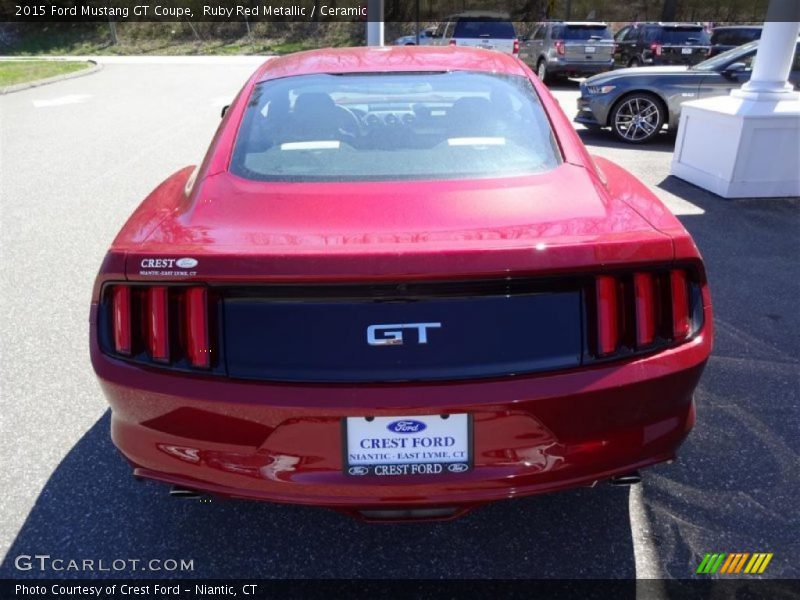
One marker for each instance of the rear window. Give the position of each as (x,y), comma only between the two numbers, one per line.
(582,32)
(734,37)
(379,127)
(683,35)
(484,28)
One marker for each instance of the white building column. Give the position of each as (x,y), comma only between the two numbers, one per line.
(747,144)
(773,63)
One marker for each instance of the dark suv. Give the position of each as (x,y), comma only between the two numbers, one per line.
(568,48)
(642,44)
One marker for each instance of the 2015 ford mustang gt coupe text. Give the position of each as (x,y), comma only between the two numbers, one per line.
(398,286)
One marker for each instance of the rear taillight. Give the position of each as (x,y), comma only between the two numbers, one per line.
(121,318)
(560,47)
(643,310)
(681,325)
(158,324)
(655,49)
(452,42)
(197,347)
(515,49)
(607,313)
(157,317)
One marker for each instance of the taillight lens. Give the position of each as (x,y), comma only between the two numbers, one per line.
(515,49)
(197,346)
(160,324)
(645,306)
(644,310)
(681,324)
(607,312)
(121,317)
(560,47)
(157,316)
(656,49)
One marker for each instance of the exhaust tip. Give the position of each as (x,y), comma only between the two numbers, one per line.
(627,479)
(186,493)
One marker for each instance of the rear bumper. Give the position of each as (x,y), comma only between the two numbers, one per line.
(569,67)
(282,442)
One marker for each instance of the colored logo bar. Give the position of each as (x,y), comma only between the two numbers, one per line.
(735,562)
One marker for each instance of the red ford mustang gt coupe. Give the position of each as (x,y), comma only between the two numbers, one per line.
(398,286)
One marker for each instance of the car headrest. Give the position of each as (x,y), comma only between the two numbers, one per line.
(314,103)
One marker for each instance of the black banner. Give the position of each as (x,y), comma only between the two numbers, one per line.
(260,589)
(394,11)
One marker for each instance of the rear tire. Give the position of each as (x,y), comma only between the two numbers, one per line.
(541,71)
(634,62)
(637,118)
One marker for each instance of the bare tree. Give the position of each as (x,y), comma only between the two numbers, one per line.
(670,10)
(112,26)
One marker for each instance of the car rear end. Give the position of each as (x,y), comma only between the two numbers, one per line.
(581,49)
(397,346)
(485,32)
(678,45)
(530,384)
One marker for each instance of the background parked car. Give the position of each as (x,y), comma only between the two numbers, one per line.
(637,103)
(425,38)
(479,29)
(728,38)
(641,44)
(568,48)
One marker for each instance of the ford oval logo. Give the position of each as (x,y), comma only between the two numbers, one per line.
(457,467)
(406,426)
(186,263)
(358,470)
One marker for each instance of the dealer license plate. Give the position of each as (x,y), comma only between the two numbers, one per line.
(418,445)
(686,50)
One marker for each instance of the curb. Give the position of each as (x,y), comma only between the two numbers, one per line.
(55,79)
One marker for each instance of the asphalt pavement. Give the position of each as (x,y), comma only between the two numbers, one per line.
(78,156)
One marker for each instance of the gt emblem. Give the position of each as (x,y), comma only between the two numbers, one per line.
(392,335)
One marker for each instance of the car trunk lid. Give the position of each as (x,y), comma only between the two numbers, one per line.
(256,231)
(587,43)
(682,45)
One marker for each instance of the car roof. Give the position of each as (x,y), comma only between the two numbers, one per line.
(727,27)
(478,14)
(387,59)
(581,23)
(670,24)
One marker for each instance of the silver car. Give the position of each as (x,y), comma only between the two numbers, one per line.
(559,48)
(425,38)
(478,29)
(637,103)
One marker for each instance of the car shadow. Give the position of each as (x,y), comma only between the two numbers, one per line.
(564,85)
(665,142)
(91,508)
(736,485)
